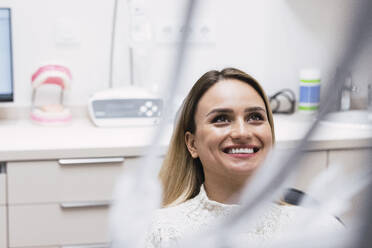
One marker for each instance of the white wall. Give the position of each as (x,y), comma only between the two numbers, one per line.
(36,25)
(301,33)
(269,39)
(272,40)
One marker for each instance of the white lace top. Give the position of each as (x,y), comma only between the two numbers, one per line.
(171,224)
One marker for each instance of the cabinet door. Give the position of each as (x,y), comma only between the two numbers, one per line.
(3,227)
(3,217)
(2,189)
(351,161)
(51,224)
(62,181)
(309,166)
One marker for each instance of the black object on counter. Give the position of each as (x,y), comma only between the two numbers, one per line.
(283,95)
(293,196)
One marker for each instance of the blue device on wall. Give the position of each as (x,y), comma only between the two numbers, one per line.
(6,58)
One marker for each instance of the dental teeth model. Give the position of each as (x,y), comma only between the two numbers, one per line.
(51,114)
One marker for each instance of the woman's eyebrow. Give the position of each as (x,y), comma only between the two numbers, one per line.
(219,110)
(252,109)
(227,110)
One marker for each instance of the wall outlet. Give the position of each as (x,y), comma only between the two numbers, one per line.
(200,32)
(167,33)
(203,32)
(67,32)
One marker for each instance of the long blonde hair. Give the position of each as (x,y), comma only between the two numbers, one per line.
(181,175)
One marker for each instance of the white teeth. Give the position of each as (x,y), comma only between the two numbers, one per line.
(240,150)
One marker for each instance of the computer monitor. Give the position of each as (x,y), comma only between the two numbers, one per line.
(6,59)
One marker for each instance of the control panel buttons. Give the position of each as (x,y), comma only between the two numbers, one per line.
(154,108)
(143,109)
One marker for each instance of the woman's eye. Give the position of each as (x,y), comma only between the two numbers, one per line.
(255,117)
(220,119)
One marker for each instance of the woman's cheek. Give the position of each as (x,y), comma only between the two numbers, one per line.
(265,132)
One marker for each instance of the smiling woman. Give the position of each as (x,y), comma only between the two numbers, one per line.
(223,134)
(232,136)
(223,105)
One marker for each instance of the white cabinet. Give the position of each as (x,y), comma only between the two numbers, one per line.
(310,165)
(61,202)
(2,189)
(3,216)
(306,168)
(3,227)
(351,161)
(51,182)
(54,203)
(346,161)
(51,224)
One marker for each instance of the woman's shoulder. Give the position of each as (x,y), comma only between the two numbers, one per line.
(170,224)
(178,216)
(171,214)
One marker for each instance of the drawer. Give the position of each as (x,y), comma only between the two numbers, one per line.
(2,189)
(3,227)
(51,182)
(52,225)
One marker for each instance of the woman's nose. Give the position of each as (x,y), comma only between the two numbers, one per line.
(240,130)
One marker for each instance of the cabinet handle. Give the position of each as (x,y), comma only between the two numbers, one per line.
(76,161)
(87,246)
(85,204)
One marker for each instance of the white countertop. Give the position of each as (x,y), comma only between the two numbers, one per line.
(290,129)
(24,140)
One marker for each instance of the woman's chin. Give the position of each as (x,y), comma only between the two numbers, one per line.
(242,168)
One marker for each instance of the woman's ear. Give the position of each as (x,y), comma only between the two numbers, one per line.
(190,143)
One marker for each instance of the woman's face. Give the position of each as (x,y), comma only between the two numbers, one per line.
(233,135)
